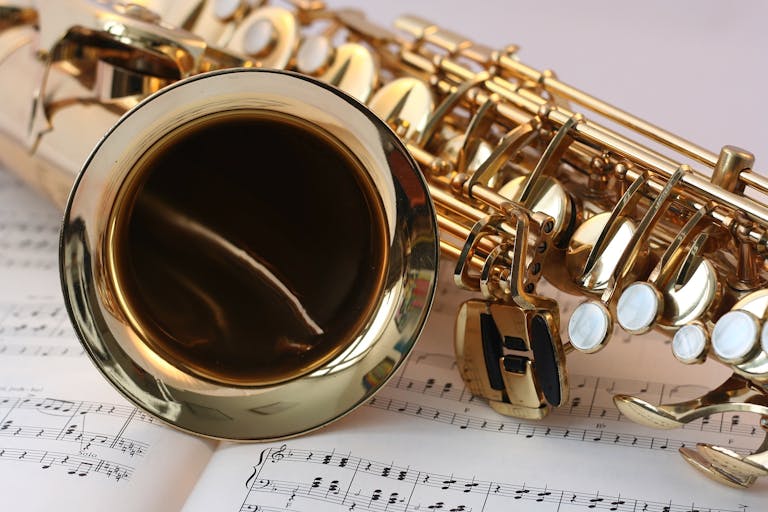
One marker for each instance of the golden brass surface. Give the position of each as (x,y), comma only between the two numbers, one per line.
(277,315)
(406,103)
(246,242)
(279,47)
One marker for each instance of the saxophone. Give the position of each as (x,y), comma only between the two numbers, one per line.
(261,298)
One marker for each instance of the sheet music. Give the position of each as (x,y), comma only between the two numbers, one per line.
(37,328)
(67,440)
(29,229)
(64,430)
(33,320)
(442,437)
(299,479)
(424,444)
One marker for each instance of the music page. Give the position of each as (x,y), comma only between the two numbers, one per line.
(68,441)
(425,444)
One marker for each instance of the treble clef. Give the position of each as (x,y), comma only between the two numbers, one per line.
(278,455)
(274,456)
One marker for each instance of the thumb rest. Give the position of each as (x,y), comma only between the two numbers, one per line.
(522,185)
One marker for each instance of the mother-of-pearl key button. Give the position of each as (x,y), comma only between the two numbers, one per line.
(260,37)
(588,326)
(638,307)
(689,345)
(735,336)
(314,55)
(225,9)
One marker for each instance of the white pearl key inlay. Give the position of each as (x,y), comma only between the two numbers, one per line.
(313,55)
(259,37)
(589,326)
(735,336)
(225,9)
(638,307)
(689,344)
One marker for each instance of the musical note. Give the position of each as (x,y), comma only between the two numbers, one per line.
(82,469)
(377,491)
(616,504)
(87,441)
(530,431)
(593,502)
(84,438)
(591,398)
(29,242)
(520,493)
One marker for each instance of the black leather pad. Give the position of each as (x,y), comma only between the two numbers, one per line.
(546,364)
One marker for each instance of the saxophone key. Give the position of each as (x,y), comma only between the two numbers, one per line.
(690,343)
(269,35)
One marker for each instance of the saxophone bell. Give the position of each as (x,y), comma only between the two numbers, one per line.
(209,298)
(262,300)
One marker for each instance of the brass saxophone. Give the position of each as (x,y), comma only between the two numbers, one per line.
(265,297)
